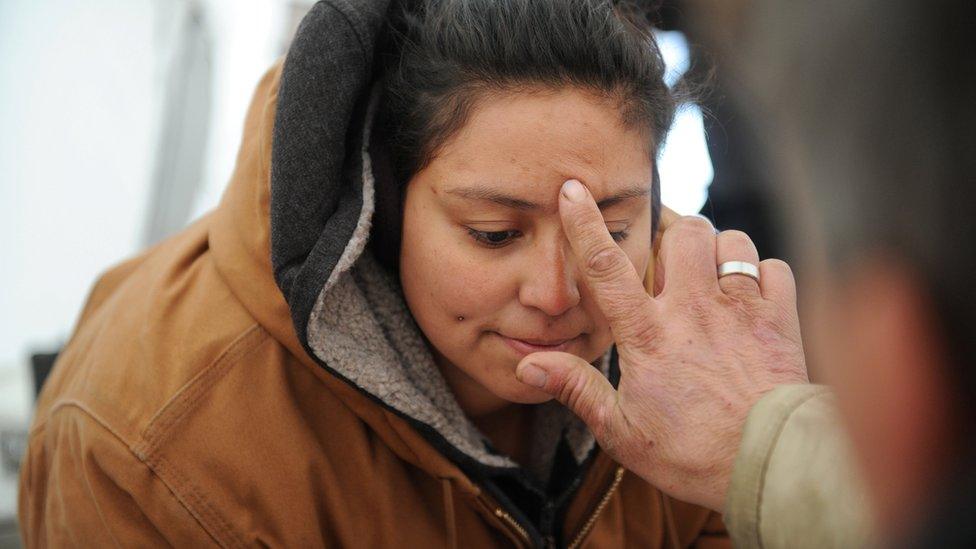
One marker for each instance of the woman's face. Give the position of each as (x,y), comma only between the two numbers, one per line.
(485,267)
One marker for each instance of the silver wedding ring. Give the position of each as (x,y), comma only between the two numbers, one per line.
(738,268)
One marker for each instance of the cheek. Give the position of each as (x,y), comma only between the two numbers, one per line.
(443,278)
(445,285)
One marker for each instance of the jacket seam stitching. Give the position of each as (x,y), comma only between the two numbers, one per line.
(188,495)
(169,416)
(194,390)
(87,411)
(75,403)
(768,458)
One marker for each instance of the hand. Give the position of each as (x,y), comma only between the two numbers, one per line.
(693,360)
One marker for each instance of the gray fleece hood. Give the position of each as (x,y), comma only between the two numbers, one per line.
(347,309)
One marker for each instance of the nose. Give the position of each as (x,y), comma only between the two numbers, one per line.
(549,279)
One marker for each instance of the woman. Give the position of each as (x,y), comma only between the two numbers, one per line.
(328,357)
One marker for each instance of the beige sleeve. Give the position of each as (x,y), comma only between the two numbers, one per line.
(794,483)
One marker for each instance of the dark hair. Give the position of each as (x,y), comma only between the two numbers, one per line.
(446,55)
(452,52)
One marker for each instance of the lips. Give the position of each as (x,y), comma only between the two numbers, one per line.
(534,345)
(543,342)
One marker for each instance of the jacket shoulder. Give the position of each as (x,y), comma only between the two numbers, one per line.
(151,329)
(172,400)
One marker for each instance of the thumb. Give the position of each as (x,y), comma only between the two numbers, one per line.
(577,385)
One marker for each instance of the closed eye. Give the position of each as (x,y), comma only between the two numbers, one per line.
(493,239)
(498,239)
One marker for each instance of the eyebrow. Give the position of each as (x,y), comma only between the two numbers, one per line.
(489,194)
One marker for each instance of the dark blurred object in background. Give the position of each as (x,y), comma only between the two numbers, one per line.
(738,197)
(41,365)
(13,444)
(866,108)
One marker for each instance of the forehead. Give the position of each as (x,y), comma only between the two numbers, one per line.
(530,143)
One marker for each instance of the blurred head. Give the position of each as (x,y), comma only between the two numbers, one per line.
(491,106)
(874,124)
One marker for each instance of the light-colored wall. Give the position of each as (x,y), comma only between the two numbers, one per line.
(81,100)
(77,104)
(81,96)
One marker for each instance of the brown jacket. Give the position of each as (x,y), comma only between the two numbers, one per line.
(186,410)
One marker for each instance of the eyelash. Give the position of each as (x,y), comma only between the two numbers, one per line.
(483,237)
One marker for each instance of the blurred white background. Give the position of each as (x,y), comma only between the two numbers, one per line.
(120,123)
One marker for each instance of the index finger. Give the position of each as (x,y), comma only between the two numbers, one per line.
(607,270)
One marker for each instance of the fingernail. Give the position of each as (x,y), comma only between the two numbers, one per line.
(573,190)
(530,374)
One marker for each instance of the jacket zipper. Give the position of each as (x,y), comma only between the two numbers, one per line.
(524,534)
(500,513)
(617,477)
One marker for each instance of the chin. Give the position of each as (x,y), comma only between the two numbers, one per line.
(518,393)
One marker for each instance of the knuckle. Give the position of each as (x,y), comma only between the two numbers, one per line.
(572,390)
(687,233)
(600,424)
(694,225)
(741,301)
(739,284)
(743,307)
(574,394)
(736,238)
(589,219)
(606,261)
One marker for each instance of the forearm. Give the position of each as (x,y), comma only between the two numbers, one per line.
(794,483)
